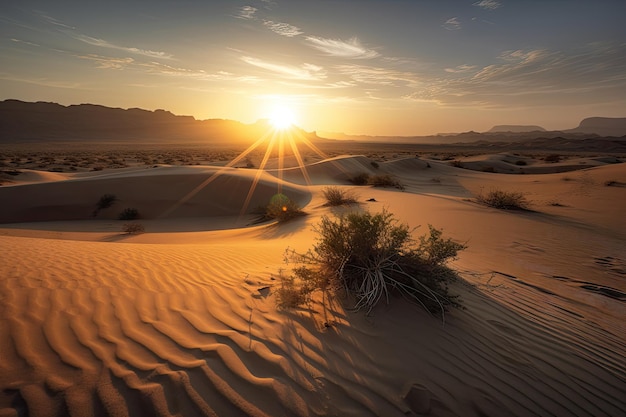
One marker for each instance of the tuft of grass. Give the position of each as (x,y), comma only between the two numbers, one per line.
(360,179)
(104,202)
(282,208)
(129,214)
(369,258)
(456,163)
(504,200)
(335,196)
(133,228)
(385,180)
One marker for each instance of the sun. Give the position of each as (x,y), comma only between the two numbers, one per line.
(282,117)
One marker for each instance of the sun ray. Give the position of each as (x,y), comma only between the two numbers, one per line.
(296,152)
(258,174)
(216,174)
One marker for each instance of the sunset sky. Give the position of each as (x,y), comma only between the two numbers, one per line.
(392,67)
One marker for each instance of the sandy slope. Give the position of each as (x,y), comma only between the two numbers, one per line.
(183,323)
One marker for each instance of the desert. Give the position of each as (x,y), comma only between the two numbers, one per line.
(182,318)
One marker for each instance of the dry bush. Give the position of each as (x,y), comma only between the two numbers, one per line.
(282,208)
(335,196)
(368,257)
(505,200)
(133,228)
(385,180)
(129,214)
(360,179)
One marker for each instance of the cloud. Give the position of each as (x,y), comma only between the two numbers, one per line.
(460,68)
(246,12)
(595,73)
(487,4)
(343,49)
(105,62)
(54,21)
(379,76)
(24,42)
(44,82)
(308,72)
(283,29)
(452,24)
(104,44)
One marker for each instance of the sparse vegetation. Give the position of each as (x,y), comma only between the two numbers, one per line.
(105,202)
(360,179)
(504,200)
(552,158)
(385,180)
(133,228)
(335,196)
(129,214)
(371,257)
(456,163)
(282,208)
(375,164)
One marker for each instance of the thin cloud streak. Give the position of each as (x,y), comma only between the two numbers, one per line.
(246,13)
(304,72)
(488,4)
(342,49)
(104,44)
(452,24)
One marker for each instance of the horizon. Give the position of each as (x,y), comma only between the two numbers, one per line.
(358,68)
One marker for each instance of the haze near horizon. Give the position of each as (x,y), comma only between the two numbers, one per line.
(358,67)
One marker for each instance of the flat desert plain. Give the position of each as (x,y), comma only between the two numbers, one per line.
(182,320)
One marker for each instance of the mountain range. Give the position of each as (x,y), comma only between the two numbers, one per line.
(51,122)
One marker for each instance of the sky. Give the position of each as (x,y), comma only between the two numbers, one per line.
(375,67)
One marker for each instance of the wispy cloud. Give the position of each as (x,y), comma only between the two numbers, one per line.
(24,42)
(283,29)
(460,68)
(246,12)
(343,49)
(452,24)
(594,73)
(379,76)
(304,72)
(106,62)
(105,44)
(488,4)
(41,81)
(54,21)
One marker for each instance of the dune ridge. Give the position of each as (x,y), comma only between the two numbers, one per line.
(185,324)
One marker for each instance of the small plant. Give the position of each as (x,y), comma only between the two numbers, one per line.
(385,180)
(375,164)
(456,163)
(282,208)
(505,200)
(552,158)
(335,196)
(360,179)
(105,202)
(368,257)
(129,214)
(133,228)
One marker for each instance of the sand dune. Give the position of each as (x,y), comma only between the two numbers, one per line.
(185,324)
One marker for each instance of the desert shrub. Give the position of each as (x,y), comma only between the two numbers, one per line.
(385,180)
(360,179)
(335,196)
(129,214)
(368,257)
(520,163)
(375,164)
(282,208)
(106,201)
(552,158)
(456,163)
(133,228)
(505,200)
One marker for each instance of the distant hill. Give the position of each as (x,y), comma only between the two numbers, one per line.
(516,128)
(603,126)
(50,122)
